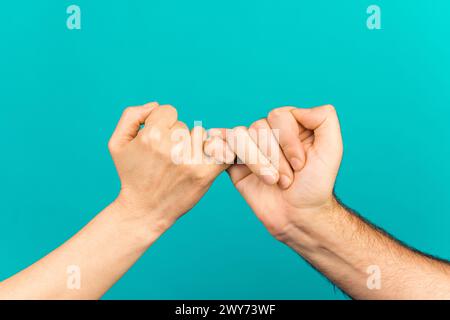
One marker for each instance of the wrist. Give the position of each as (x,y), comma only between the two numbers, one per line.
(137,222)
(311,229)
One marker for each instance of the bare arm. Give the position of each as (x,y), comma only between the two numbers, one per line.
(303,213)
(155,192)
(364,261)
(88,264)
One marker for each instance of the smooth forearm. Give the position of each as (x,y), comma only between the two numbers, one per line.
(357,257)
(101,253)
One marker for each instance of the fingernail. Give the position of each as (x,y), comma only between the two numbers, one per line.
(270,177)
(284,182)
(296,163)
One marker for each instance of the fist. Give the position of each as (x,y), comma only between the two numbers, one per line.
(161,164)
(308,149)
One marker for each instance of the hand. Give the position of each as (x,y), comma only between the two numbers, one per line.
(156,187)
(309,157)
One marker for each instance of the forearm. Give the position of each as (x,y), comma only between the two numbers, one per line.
(347,250)
(102,252)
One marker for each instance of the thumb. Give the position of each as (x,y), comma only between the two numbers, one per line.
(130,121)
(324,122)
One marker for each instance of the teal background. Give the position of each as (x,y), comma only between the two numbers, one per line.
(225,63)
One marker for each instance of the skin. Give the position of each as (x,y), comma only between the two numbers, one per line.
(310,182)
(306,216)
(155,192)
(289,187)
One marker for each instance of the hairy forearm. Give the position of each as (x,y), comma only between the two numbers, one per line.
(101,253)
(363,261)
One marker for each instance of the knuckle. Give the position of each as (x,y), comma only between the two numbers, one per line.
(145,139)
(278,112)
(216,133)
(173,111)
(275,113)
(330,108)
(258,124)
(238,135)
(181,125)
(112,146)
(239,130)
(128,111)
(151,138)
(154,135)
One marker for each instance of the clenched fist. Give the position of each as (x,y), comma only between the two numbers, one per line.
(305,147)
(162,167)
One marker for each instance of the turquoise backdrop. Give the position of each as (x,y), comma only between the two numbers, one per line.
(225,63)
